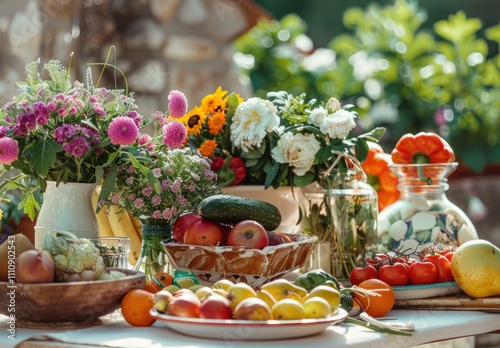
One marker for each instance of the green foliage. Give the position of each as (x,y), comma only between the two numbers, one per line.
(397,74)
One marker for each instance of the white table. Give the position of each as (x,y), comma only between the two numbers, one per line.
(431,326)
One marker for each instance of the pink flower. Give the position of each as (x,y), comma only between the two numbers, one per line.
(147,141)
(9,150)
(174,134)
(123,131)
(177,104)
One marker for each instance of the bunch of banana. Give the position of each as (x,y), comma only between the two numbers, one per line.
(114,223)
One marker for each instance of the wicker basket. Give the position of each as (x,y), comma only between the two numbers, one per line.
(239,264)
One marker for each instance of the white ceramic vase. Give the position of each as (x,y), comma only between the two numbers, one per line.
(284,198)
(67,206)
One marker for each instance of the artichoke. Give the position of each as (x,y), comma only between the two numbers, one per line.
(76,259)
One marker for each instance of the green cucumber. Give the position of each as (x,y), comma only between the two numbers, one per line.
(229,209)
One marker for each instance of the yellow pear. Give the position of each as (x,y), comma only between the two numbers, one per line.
(475,265)
(266,297)
(280,288)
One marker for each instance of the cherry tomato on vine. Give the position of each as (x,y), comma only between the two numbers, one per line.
(394,273)
(422,272)
(377,259)
(443,266)
(362,273)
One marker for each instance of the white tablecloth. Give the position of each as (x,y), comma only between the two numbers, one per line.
(430,326)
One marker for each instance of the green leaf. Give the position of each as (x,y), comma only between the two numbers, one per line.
(457,28)
(108,185)
(44,153)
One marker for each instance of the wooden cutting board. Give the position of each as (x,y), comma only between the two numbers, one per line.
(452,302)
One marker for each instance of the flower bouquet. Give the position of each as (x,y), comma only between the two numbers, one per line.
(181,180)
(289,140)
(63,131)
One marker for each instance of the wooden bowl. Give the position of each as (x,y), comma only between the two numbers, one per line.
(74,302)
(239,264)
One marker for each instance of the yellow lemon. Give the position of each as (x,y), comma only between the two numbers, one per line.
(288,309)
(317,307)
(331,295)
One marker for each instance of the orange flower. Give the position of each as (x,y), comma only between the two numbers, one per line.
(207,147)
(216,122)
(214,102)
(194,120)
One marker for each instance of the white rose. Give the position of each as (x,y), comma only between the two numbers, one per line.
(298,150)
(252,121)
(339,124)
(317,116)
(333,105)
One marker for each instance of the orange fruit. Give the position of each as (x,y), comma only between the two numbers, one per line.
(135,307)
(160,277)
(376,306)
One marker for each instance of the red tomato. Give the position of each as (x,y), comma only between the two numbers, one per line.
(422,272)
(443,266)
(394,274)
(449,255)
(377,260)
(362,273)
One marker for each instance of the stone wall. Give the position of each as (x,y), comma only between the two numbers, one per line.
(160,45)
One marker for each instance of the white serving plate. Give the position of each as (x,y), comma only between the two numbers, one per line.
(410,292)
(247,329)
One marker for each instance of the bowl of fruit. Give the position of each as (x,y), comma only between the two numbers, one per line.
(280,309)
(234,238)
(61,288)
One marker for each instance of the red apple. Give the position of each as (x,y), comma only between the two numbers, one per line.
(248,233)
(216,306)
(184,306)
(182,223)
(274,238)
(203,232)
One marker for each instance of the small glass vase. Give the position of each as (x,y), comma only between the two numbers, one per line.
(153,258)
(342,210)
(423,216)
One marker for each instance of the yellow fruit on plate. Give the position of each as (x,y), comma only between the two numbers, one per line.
(288,309)
(331,295)
(317,307)
(238,292)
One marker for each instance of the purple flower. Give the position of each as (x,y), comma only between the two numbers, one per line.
(9,150)
(123,131)
(177,104)
(135,116)
(64,132)
(174,134)
(76,146)
(3,131)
